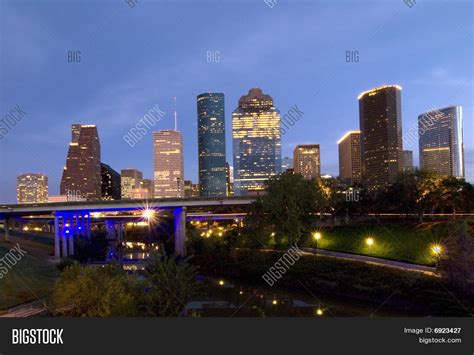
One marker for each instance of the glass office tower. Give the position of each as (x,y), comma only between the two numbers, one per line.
(441,141)
(211,145)
(256,142)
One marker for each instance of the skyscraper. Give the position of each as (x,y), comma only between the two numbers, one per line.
(110,183)
(191,190)
(229,177)
(381,135)
(286,164)
(307,160)
(148,185)
(211,144)
(256,142)
(130,180)
(441,141)
(32,188)
(349,157)
(82,173)
(407,160)
(168,164)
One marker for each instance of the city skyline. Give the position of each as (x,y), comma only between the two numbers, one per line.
(325,89)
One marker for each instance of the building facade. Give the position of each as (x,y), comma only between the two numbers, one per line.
(229,172)
(168,164)
(286,164)
(82,173)
(380,118)
(111,183)
(211,145)
(408,160)
(441,141)
(130,179)
(32,188)
(148,185)
(256,142)
(191,190)
(307,161)
(349,157)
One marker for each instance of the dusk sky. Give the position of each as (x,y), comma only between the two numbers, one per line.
(135,58)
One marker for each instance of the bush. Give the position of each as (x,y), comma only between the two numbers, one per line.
(88,291)
(171,284)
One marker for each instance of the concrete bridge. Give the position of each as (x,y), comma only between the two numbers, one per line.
(73,219)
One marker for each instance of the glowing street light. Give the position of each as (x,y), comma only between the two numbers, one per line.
(319,312)
(436,249)
(221,282)
(148,214)
(317,235)
(369,241)
(274,302)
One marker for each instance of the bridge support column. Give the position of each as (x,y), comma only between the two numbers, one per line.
(87,225)
(180,230)
(70,237)
(57,249)
(63,237)
(119,243)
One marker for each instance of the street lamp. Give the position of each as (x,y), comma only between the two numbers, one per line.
(436,249)
(317,236)
(369,241)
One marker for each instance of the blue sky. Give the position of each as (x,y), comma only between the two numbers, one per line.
(135,58)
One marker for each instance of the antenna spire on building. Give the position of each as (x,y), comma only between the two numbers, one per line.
(175,115)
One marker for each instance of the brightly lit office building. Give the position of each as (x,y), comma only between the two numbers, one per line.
(256,142)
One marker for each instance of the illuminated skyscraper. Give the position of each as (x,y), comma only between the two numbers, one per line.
(82,173)
(131,179)
(168,164)
(211,145)
(307,160)
(110,183)
(32,188)
(380,117)
(349,157)
(441,141)
(256,142)
(407,160)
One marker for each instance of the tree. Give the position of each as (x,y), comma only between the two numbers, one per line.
(287,209)
(456,194)
(456,262)
(412,192)
(171,284)
(88,291)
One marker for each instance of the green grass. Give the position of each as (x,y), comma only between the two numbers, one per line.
(28,280)
(404,243)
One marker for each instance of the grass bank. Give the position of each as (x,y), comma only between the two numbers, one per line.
(28,280)
(411,243)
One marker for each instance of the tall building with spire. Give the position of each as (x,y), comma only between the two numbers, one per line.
(256,142)
(168,164)
(380,116)
(441,141)
(211,145)
(82,172)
